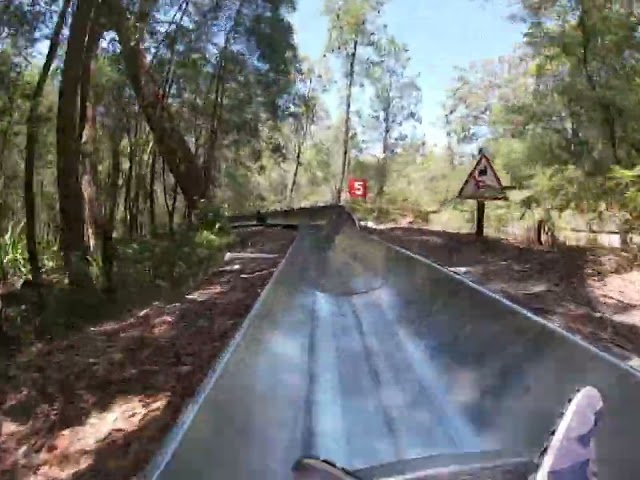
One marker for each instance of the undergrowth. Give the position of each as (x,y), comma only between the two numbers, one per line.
(160,268)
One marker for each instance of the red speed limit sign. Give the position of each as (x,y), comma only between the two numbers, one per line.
(358,188)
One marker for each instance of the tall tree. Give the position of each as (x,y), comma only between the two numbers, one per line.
(303,116)
(395,102)
(218,82)
(69,130)
(171,143)
(352,26)
(93,220)
(31,145)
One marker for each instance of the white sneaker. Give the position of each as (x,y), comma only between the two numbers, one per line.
(570,452)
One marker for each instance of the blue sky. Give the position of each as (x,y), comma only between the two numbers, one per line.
(441,34)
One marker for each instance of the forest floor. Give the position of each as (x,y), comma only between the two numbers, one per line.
(97,403)
(591,292)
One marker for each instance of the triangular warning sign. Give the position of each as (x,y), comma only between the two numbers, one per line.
(483,182)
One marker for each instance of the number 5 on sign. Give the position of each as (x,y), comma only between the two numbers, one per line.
(358,188)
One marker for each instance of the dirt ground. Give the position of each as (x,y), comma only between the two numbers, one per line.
(98,404)
(589,291)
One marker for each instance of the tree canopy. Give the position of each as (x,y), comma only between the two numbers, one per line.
(124,120)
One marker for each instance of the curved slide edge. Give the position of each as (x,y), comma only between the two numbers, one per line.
(172,440)
(530,315)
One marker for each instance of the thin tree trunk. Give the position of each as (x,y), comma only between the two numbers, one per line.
(141,194)
(295,172)
(88,137)
(301,141)
(72,242)
(186,213)
(134,227)
(108,247)
(384,163)
(347,120)
(152,193)
(165,195)
(4,140)
(168,139)
(33,122)
(170,206)
(607,110)
(299,147)
(132,139)
(174,203)
(211,167)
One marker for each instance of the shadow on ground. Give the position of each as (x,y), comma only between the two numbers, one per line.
(96,405)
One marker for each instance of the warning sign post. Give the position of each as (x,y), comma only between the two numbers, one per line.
(482,184)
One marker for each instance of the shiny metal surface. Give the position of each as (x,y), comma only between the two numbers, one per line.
(365,355)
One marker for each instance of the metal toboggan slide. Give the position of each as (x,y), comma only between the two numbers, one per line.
(381,361)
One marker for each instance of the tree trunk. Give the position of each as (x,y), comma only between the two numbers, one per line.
(152,193)
(132,138)
(141,196)
(165,195)
(210,163)
(187,214)
(72,242)
(211,166)
(88,137)
(4,137)
(111,210)
(4,141)
(384,162)
(168,139)
(307,120)
(134,226)
(347,120)
(169,205)
(174,203)
(294,179)
(606,109)
(33,122)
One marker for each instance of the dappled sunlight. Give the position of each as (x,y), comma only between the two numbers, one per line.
(207,293)
(104,387)
(162,326)
(158,156)
(67,451)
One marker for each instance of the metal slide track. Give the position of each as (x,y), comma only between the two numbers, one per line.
(365,354)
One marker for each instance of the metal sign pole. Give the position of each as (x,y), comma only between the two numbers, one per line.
(480,218)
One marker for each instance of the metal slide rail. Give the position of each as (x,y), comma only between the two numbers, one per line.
(369,355)
(315,214)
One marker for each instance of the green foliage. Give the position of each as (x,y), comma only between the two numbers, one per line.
(13,260)
(211,218)
(561,116)
(350,20)
(168,261)
(562,113)
(626,184)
